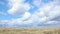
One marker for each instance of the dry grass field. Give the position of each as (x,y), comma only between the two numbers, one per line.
(29,30)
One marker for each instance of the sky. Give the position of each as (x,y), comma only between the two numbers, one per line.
(29,13)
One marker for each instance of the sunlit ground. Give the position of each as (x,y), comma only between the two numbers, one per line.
(29,30)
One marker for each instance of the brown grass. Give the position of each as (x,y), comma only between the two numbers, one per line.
(29,30)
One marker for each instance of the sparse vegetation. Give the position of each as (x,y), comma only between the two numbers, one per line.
(29,30)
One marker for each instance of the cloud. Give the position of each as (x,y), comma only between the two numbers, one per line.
(2,13)
(18,7)
(37,3)
(46,14)
(25,17)
(51,11)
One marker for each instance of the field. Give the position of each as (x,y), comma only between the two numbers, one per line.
(29,30)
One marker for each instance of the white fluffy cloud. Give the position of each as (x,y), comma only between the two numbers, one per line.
(18,7)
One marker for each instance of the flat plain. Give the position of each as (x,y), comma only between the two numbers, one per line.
(29,30)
